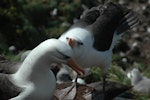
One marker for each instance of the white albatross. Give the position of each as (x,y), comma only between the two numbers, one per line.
(139,82)
(34,79)
(93,37)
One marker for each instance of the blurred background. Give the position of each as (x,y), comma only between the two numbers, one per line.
(26,23)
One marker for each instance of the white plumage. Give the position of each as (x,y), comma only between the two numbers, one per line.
(34,77)
(94,36)
(85,54)
(139,82)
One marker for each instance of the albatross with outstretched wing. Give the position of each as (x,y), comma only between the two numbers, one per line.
(93,37)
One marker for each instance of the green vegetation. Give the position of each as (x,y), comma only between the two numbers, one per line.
(25,23)
(116,73)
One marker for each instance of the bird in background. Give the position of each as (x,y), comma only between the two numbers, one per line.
(66,74)
(94,36)
(34,80)
(139,82)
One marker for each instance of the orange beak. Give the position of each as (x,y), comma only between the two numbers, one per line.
(71,63)
(71,42)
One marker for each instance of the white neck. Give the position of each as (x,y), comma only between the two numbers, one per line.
(35,77)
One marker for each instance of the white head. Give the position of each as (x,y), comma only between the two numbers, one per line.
(41,57)
(35,74)
(55,51)
(79,39)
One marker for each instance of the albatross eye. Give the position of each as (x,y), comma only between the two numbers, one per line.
(79,43)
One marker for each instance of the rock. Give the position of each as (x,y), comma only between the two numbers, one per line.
(125,96)
(9,67)
(2,58)
(94,91)
(113,89)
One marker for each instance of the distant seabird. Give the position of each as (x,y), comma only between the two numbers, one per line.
(139,82)
(34,80)
(93,37)
(63,75)
(66,74)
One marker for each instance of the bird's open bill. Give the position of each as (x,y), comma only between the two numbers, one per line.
(71,63)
